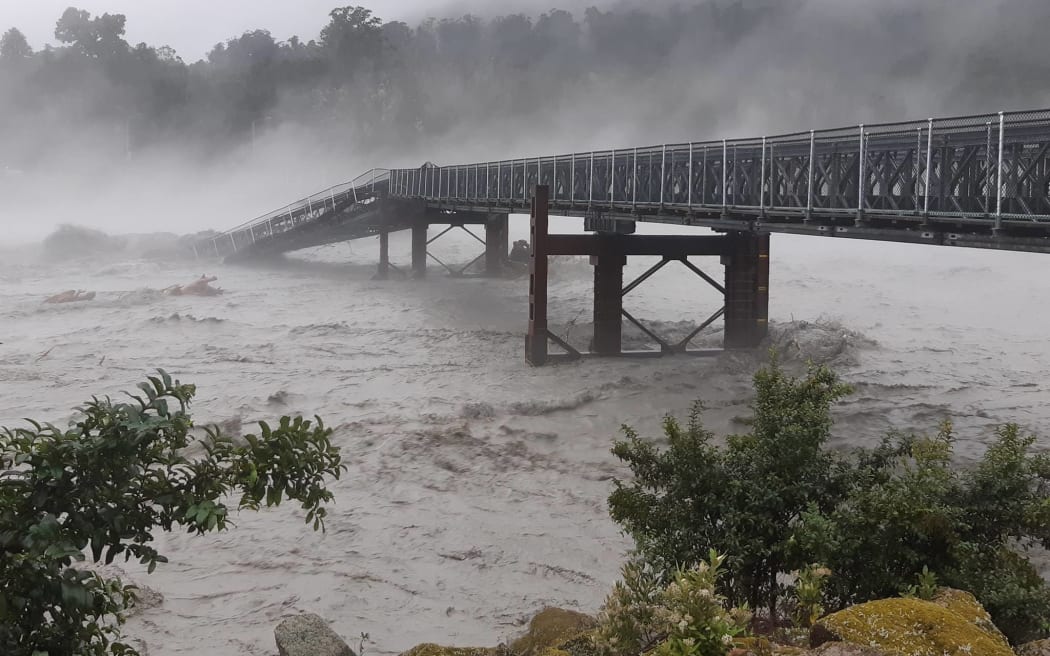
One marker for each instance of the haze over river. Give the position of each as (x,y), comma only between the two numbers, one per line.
(476,490)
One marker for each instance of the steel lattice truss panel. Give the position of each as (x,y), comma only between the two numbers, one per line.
(968,176)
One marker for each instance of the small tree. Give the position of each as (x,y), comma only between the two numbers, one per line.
(102,488)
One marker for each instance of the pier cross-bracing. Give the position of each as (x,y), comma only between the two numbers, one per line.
(977,181)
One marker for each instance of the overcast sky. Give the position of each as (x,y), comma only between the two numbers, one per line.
(192,27)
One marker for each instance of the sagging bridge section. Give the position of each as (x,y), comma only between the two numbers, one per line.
(976,181)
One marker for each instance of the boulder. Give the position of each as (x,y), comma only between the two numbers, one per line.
(581,645)
(752,646)
(145,599)
(910,627)
(765,648)
(1037,648)
(550,628)
(965,604)
(309,635)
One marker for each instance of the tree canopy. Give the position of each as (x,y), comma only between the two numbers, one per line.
(360,81)
(98,38)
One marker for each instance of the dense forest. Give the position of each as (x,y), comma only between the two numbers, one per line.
(648,71)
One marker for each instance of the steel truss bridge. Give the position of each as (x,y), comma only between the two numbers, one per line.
(976,181)
(970,181)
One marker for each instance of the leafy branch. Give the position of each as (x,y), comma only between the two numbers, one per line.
(101,489)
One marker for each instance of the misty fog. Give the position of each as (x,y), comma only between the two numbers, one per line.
(124,137)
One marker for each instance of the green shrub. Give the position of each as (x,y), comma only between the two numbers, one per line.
(885,529)
(686,617)
(743,499)
(925,586)
(777,499)
(628,620)
(99,490)
(965,527)
(809,594)
(1010,589)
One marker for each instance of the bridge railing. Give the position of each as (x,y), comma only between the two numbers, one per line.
(988,167)
(365,188)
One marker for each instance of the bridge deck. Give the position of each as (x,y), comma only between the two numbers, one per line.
(980,181)
(340,213)
(971,181)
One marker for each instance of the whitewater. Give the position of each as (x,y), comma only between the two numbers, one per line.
(477,486)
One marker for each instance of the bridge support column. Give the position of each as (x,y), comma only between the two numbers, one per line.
(608,296)
(746,261)
(497,243)
(419,250)
(383,271)
(745,256)
(536,341)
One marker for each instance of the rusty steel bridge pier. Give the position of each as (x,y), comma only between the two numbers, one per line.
(744,255)
(496,242)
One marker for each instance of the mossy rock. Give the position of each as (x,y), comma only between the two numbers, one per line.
(965,604)
(430,649)
(794,636)
(554,628)
(760,646)
(909,627)
(581,645)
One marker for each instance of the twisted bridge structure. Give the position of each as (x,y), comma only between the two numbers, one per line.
(978,181)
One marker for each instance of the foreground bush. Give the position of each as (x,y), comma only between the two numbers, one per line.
(685,617)
(778,500)
(743,499)
(969,527)
(99,490)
